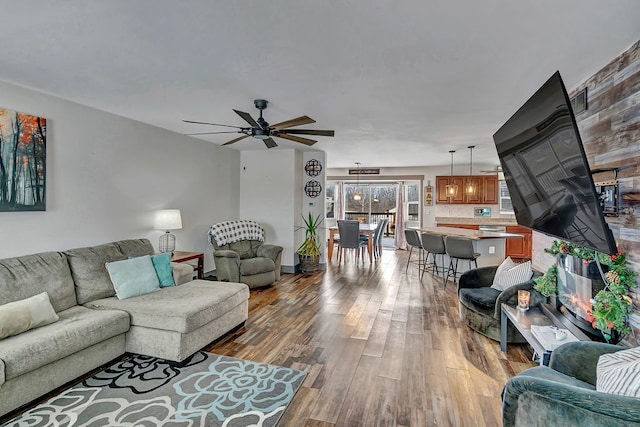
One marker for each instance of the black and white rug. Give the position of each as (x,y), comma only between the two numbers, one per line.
(207,390)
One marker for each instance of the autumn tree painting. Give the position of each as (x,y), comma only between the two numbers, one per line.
(22,161)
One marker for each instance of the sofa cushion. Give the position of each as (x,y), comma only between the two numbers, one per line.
(89,272)
(135,247)
(180,308)
(251,266)
(133,277)
(546,373)
(482,300)
(20,316)
(619,373)
(26,276)
(162,266)
(510,274)
(244,248)
(78,328)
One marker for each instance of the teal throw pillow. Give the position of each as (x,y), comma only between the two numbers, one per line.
(162,264)
(133,277)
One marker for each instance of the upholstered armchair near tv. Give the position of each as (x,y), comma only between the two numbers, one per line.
(564,394)
(479,303)
(242,256)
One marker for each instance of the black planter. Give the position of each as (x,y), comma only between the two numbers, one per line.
(309,264)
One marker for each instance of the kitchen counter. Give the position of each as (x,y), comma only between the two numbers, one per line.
(468,234)
(476,220)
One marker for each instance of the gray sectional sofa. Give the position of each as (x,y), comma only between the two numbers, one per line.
(95,327)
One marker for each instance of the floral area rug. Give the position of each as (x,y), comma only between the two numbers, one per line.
(207,390)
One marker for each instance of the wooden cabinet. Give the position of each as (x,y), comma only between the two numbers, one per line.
(486,190)
(490,189)
(518,248)
(441,189)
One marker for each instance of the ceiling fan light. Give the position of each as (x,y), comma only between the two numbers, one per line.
(260,133)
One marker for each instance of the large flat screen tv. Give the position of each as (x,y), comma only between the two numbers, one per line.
(547,172)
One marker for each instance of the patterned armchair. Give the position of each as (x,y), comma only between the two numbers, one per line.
(242,256)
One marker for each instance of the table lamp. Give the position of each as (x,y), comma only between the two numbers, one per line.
(167,219)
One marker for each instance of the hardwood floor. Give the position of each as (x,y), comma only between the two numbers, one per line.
(380,348)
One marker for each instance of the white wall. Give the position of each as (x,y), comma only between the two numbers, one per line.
(313,205)
(269,195)
(272,193)
(107,174)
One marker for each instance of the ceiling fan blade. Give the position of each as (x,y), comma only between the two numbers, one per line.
(302,120)
(211,133)
(247,118)
(236,140)
(213,124)
(308,132)
(299,139)
(270,143)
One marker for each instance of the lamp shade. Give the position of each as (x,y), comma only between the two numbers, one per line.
(168,219)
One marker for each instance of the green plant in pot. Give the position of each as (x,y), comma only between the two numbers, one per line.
(309,251)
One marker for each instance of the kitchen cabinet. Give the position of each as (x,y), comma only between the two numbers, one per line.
(441,189)
(490,189)
(486,193)
(518,248)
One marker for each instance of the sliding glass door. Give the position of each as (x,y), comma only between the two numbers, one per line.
(369,202)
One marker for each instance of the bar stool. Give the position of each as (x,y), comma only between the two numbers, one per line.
(459,248)
(413,240)
(433,244)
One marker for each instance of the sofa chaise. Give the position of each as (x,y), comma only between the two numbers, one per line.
(95,327)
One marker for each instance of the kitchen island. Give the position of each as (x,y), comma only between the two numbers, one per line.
(489,244)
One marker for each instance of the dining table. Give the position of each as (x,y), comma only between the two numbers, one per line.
(365,229)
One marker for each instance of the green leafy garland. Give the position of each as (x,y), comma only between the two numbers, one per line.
(611,307)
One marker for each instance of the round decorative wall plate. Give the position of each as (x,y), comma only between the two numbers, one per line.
(313,167)
(313,188)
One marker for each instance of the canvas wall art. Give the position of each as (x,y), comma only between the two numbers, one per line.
(22,161)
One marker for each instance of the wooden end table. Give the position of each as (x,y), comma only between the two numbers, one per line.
(180,256)
(543,315)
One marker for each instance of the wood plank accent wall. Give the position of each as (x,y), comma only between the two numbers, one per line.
(610,130)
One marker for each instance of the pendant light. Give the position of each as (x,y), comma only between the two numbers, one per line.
(470,188)
(451,189)
(357,197)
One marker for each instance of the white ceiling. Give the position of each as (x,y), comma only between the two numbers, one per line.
(401,82)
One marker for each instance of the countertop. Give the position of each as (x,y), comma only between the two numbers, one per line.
(469,234)
(476,220)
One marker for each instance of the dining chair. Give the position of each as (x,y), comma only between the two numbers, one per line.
(413,240)
(378,241)
(376,237)
(433,244)
(350,238)
(459,248)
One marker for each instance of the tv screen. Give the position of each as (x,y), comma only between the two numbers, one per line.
(547,172)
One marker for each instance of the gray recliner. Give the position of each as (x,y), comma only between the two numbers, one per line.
(242,256)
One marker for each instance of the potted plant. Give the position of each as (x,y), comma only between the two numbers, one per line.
(309,250)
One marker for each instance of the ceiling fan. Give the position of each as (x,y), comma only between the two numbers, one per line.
(260,129)
(497,170)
